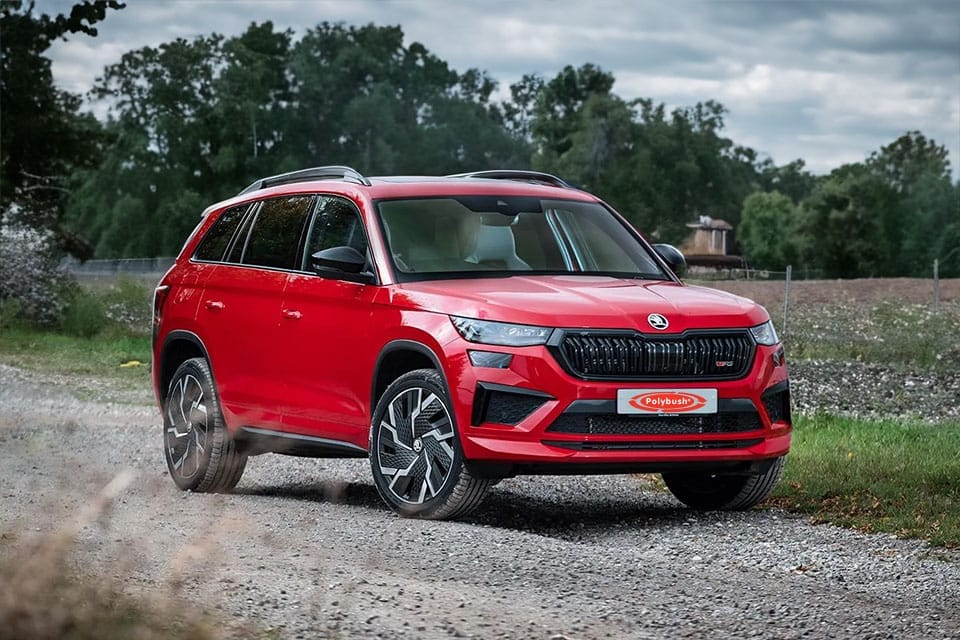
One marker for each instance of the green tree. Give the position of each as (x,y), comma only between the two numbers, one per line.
(44,137)
(770,231)
(844,218)
(926,210)
(791,179)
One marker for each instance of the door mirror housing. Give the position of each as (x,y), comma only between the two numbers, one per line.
(672,256)
(346,259)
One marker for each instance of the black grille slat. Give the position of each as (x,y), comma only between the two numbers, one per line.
(631,355)
(617,424)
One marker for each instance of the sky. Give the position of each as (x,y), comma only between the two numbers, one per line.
(828,82)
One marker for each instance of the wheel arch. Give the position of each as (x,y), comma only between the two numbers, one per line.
(178,347)
(397,358)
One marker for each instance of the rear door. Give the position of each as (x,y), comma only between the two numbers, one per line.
(329,340)
(241,310)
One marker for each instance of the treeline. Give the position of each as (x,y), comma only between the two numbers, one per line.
(194,121)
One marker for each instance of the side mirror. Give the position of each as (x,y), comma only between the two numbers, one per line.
(672,256)
(346,259)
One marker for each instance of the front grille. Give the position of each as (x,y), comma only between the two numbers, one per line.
(620,445)
(615,424)
(625,355)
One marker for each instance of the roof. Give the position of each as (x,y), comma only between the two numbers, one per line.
(706,222)
(349,181)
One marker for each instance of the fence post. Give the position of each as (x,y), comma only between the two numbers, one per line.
(936,285)
(786,298)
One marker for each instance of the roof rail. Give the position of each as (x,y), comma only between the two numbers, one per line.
(332,172)
(513,174)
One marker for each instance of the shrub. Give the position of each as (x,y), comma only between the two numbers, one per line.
(127,305)
(30,278)
(84,315)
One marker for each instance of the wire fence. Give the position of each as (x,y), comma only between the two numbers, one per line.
(144,269)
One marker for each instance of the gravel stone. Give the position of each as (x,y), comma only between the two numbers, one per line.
(304,548)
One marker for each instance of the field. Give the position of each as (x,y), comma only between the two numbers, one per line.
(305,548)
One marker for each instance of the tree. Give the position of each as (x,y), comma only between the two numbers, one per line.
(770,231)
(917,172)
(44,137)
(791,179)
(844,220)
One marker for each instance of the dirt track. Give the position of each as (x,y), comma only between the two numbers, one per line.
(305,548)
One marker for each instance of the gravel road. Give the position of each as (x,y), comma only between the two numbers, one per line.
(305,549)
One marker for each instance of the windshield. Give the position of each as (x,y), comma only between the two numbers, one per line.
(482,236)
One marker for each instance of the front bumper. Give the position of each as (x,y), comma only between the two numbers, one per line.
(534,417)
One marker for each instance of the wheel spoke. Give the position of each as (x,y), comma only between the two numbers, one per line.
(187,428)
(414,445)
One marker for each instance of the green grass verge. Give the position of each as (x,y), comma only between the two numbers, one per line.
(100,356)
(876,475)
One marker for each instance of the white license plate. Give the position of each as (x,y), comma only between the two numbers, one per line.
(666,401)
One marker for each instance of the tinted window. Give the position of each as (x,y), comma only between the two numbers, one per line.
(214,244)
(337,224)
(276,232)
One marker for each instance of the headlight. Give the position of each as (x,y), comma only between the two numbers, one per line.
(501,333)
(765,334)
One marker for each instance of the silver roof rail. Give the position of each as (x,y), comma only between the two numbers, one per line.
(332,172)
(515,174)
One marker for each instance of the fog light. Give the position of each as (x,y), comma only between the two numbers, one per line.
(490,359)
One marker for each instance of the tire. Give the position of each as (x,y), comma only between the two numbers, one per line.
(711,492)
(201,455)
(415,454)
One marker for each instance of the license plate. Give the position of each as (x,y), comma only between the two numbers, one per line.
(666,401)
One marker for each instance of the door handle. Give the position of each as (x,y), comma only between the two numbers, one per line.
(291,314)
(213,305)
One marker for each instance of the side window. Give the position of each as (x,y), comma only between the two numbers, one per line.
(276,233)
(336,224)
(214,244)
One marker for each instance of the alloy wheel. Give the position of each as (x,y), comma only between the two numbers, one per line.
(415,445)
(186,430)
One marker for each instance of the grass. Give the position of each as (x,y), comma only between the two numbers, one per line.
(877,476)
(101,355)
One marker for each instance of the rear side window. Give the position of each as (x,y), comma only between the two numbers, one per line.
(275,238)
(215,243)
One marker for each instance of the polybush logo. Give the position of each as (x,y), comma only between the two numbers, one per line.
(668,401)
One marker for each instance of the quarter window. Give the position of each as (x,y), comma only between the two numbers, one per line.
(215,243)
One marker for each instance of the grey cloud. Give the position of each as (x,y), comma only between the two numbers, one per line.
(826,81)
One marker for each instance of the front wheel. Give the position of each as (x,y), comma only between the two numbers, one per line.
(415,453)
(201,455)
(710,492)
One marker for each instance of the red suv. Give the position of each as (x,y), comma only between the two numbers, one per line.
(456,331)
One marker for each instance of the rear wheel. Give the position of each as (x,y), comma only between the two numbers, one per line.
(201,455)
(709,492)
(415,455)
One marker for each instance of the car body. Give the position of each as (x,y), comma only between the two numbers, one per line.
(458,330)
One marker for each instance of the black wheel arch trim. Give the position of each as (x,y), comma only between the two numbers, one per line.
(187,336)
(404,345)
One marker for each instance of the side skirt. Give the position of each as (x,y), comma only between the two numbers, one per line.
(253,441)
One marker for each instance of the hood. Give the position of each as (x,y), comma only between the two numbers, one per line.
(582,302)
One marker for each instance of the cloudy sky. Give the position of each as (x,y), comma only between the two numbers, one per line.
(828,82)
